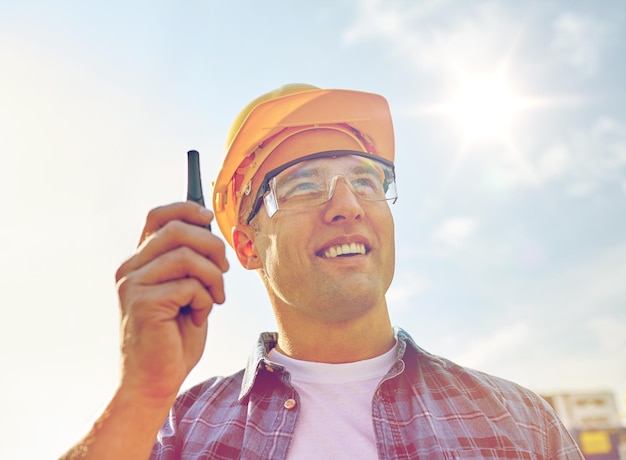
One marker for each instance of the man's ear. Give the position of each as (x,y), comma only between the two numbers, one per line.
(243,243)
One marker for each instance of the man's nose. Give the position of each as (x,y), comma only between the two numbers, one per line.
(343,203)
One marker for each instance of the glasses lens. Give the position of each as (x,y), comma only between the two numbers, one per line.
(312,182)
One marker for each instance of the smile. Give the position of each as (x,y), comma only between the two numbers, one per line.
(344,250)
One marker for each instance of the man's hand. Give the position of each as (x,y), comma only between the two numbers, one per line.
(178,263)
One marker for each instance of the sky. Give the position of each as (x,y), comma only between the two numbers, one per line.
(510,122)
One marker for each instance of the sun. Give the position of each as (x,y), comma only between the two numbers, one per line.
(484,108)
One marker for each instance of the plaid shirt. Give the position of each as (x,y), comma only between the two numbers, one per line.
(425,407)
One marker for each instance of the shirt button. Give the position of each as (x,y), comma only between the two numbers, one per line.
(290,404)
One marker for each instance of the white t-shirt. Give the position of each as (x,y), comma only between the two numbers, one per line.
(335,419)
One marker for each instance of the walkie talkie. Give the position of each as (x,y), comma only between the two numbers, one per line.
(194,182)
(194,193)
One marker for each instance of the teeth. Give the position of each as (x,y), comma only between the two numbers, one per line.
(344,249)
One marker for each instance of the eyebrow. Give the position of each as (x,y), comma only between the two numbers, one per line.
(298,173)
(304,170)
(370,168)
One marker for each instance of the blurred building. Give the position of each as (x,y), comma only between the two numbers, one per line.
(594,422)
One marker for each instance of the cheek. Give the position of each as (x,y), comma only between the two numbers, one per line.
(269,254)
(284,252)
(392,246)
(386,230)
(383,220)
(271,246)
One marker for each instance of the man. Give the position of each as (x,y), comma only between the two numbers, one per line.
(303,198)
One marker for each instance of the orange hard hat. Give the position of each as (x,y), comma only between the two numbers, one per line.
(271,118)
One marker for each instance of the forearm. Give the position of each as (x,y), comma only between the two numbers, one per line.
(127,429)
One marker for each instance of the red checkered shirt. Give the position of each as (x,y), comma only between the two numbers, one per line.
(425,407)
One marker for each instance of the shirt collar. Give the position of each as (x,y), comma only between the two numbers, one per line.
(260,362)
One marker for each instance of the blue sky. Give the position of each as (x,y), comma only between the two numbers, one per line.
(510,227)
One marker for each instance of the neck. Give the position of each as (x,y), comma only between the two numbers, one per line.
(318,340)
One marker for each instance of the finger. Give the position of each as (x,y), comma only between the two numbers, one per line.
(180,263)
(186,211)
(163,302)
(173,235)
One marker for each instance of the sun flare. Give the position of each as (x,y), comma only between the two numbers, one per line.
(484,107)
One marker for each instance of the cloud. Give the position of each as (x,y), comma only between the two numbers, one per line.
(494,346)
(578,41)
(561,330)
(598,159)
(455,232)
(592,287)
(433,37)
(610,333)
(586,160)
(407,285)
(554,162)
(605,125)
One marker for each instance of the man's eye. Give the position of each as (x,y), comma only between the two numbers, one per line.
(300,188)
(367,184)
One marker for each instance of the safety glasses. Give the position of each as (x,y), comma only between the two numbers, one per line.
(311,181)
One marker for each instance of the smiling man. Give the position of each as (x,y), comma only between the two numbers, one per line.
(303,197)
